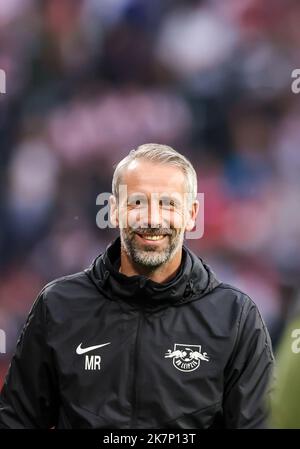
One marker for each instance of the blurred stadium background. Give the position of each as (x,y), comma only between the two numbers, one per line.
(88,80)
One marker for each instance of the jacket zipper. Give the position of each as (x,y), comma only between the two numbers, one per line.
(135,378)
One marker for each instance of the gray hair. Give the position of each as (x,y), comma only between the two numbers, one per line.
(162,154)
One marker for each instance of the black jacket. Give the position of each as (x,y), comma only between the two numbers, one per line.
(103,350)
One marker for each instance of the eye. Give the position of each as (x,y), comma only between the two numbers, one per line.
(136,201)
(167,202)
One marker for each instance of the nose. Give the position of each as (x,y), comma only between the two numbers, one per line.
(154,214)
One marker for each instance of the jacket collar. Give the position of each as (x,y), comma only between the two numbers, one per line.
(193,280)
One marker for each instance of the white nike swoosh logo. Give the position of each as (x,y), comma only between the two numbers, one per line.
(81,350)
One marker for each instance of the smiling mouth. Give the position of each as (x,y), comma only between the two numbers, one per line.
(152,238)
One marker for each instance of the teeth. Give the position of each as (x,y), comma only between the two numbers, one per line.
(153,237)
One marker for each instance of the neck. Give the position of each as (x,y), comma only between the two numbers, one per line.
(163,273)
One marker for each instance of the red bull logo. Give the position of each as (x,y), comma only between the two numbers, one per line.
(186,357)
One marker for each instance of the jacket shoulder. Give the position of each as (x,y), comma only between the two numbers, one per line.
(64,282)
(238,304)
(234,294)
(250,319)
(72,286)
(65,297)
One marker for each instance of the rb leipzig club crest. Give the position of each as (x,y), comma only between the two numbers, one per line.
(186,357)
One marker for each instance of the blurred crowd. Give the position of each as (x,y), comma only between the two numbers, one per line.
(89,80)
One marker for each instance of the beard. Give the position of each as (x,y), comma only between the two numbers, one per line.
(147,255)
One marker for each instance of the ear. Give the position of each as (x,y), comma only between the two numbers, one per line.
(113,211)
(192,215)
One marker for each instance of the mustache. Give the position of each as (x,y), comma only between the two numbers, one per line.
(154,231)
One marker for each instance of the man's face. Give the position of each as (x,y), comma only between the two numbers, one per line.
(153,212)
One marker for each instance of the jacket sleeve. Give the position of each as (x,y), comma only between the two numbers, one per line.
(29,396)
(246,401)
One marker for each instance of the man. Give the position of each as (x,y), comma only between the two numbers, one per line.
(146,337)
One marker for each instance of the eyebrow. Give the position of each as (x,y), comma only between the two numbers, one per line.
(133,196)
